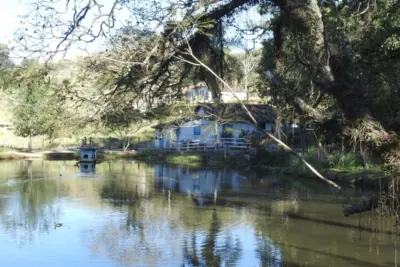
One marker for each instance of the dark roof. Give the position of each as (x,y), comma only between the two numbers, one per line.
(229,112)
(235,112)
(176,123)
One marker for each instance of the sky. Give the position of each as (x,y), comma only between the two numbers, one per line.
(9,12)
(12,11)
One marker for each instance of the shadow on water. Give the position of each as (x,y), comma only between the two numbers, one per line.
(124,213)
(338,224)
(346,259)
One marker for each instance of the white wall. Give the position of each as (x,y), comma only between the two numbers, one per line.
(229,97)
(186,132)
(198,95)
(208,130)
(201,94)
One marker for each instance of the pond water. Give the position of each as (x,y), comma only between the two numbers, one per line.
(125,213)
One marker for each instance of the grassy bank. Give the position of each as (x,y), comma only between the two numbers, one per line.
(341,167)
(48,155)
(193,160)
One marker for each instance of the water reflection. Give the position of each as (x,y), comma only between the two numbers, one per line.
(197,183)
(87,168)
(129,214)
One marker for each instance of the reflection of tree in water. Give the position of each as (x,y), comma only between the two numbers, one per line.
(209,248)
(30,207)
(126,188)
(212,254)
(32,210)
(144,236)
(268,253)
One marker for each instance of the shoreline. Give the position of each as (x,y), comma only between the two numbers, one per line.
(360,178)
(48,155)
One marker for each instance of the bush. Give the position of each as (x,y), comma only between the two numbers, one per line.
(344,160)
(317,157)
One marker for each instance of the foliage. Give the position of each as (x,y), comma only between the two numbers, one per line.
(5,60)
(37,107)
(332,64)
(125,123)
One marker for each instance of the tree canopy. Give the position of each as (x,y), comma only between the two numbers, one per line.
(332,64)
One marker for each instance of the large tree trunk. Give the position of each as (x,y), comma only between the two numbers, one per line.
(335,80)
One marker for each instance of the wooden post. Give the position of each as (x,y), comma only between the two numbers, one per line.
(224,152)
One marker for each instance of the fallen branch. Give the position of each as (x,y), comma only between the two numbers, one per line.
(319,175)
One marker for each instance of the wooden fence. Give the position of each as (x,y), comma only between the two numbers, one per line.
(196,145)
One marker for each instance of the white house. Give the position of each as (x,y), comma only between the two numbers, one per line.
(211,125)
(200,93)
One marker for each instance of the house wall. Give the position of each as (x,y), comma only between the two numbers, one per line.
(229,97)
(157,134)
(201,94)
(208,129)
(269,127)
(187,131)
(87,154)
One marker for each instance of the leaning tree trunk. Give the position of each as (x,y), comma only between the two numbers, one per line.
(336,81)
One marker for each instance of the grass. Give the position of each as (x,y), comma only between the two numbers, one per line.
(194,161)
(339,166)
(115,154)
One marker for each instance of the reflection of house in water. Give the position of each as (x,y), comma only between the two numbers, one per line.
(87,167)
(198,183)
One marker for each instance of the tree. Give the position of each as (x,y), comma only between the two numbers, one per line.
(5,60)
(249,61)
(319,70)
(319,62)
(202,24)
(125,123)
(37,109)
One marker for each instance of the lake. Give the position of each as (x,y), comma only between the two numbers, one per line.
(126,213)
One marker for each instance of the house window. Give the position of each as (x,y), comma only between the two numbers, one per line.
(196,130)
(268,127)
